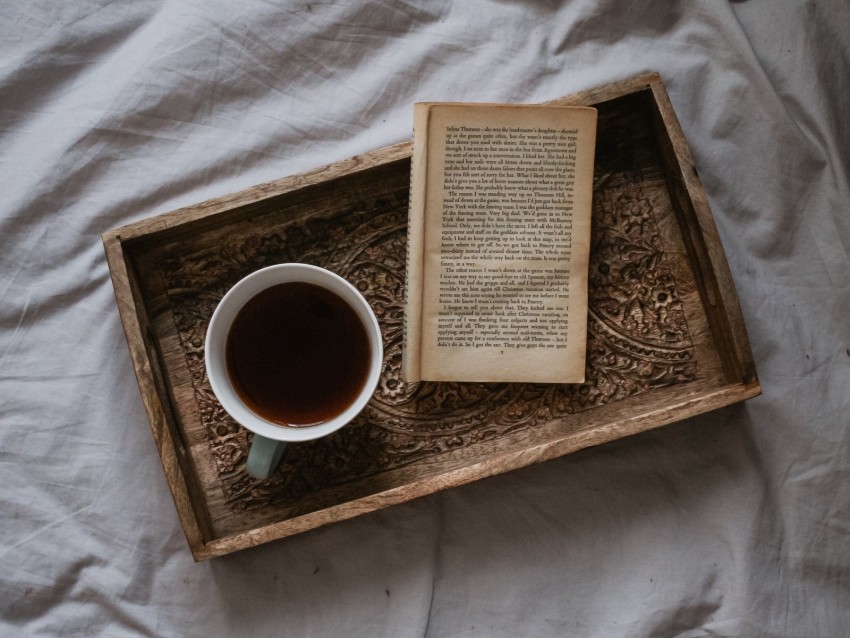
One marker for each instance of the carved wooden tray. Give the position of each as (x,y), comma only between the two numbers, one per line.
(666,339)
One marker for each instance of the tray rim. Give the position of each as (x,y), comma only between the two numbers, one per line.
(709,263)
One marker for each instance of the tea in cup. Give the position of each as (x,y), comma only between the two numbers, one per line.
(293,353)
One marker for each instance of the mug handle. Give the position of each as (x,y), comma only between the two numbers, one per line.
(264,456)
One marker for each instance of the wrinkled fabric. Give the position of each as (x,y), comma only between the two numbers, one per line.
(734,523)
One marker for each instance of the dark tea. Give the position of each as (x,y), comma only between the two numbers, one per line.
(297,354)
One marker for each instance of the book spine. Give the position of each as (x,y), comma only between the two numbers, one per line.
(412,323)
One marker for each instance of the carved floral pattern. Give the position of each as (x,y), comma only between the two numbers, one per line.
(637,339)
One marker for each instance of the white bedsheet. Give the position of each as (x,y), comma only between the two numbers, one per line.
(736,523)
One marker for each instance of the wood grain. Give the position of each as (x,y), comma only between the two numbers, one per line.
(666,337)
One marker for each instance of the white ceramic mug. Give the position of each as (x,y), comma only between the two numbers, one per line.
(271,438)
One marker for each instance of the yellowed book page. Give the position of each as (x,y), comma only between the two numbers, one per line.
(506,243)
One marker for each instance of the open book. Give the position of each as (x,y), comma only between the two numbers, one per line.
(498,243)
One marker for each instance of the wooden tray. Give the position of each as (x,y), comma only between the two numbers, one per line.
(666,339)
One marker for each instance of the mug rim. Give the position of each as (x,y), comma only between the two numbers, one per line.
(219,327)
